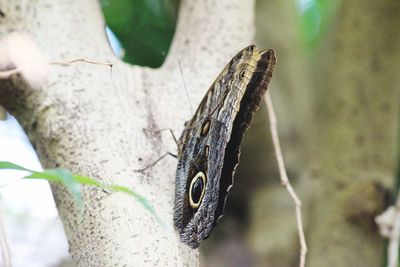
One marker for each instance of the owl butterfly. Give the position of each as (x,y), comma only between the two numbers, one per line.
(209,147)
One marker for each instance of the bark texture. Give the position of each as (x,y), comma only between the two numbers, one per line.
(357,130)
(91,120)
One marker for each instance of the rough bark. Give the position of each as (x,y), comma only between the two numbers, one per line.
(91,121)
(357,131)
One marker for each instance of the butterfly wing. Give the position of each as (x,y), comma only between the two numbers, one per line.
(210,144)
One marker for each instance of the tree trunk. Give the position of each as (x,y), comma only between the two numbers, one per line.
(357,129)
(91,120)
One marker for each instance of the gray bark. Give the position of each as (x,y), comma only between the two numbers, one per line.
(91,121)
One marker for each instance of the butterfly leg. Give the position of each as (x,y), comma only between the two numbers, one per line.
(163,156)
(155,162)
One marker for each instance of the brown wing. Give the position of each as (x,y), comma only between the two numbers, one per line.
(211,141)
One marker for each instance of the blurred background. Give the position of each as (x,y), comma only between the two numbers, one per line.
(336,95)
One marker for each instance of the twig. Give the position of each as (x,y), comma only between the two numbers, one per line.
(67,63)
(5,74)
(4,247)
(393,249)
(284,178)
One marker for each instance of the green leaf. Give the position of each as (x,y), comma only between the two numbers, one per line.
(12,166)
(74,182)
(142,200)
(145,28)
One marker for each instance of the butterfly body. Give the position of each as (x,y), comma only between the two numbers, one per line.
(209,147)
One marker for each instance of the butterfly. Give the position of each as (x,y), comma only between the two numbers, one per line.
(209,146)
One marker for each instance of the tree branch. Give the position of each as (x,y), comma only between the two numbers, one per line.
(92,122)
(284,178)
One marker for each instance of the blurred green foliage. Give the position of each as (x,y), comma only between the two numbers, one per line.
(315,17)
(145,28)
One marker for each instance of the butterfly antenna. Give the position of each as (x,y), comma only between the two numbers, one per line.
(184,86)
